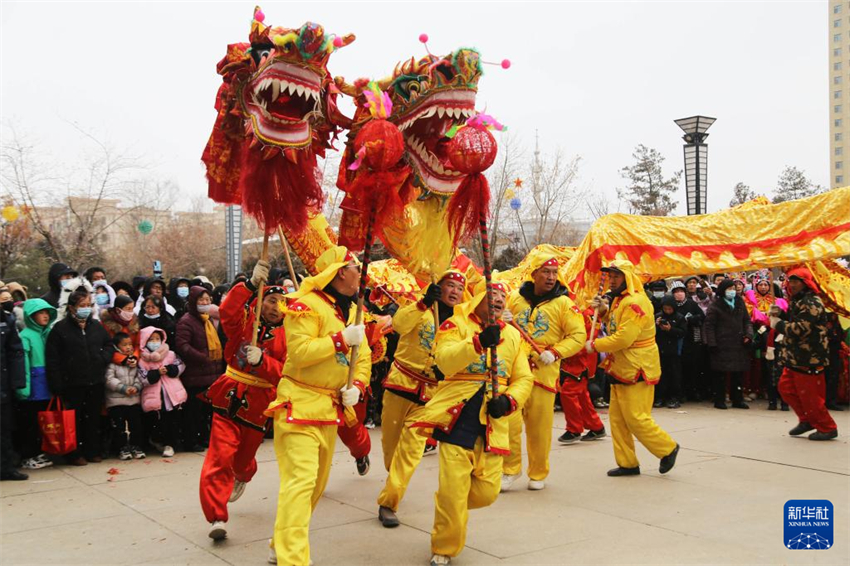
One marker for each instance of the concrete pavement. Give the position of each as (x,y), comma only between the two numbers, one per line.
(723,503)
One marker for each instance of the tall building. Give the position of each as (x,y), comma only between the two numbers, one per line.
(839,91)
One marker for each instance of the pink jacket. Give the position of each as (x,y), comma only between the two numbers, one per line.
(167,390)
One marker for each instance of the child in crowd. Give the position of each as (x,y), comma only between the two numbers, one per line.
(163,393)
(38,318)
(670,330)
(122,397)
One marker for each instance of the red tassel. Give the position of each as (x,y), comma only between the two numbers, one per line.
(280,190)
(466,207)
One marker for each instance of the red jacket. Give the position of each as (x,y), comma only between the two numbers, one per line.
(231,395)
(576,364)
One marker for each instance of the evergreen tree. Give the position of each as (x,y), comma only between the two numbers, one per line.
(647,192)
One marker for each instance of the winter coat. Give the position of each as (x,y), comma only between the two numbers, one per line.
(119,378)
(160,391)
(72,285)
(668,340)
(34,339)
(164,322)
(806,343)
(724,331)
(694,316)
(12,365)
(146,291)
(110,292)
(77,356)
(56,271)
(174,299)
(201,371)
(113,323)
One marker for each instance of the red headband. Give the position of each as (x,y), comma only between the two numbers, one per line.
(500,287)
(455,277)
(550,263)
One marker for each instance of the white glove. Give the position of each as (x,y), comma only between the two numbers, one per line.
(547,357)
(350,397)
(588,347)
(261,273)
(770,353)
(507,316)
(253,354)
(774,320)
(353,335)
(779,338)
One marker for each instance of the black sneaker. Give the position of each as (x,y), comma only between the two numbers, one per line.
(617,472)
(387,517)
(718,405)
(362,465)
(673,404)
(771,406)
(740,405)
(569,438)
(658,404)
(668,461)
(824,435)
(801,428)
(833,407)
(430,449)
(594,435)
(785,407)
(13,475)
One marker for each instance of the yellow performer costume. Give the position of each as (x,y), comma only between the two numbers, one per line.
(464,417)
(557,327)
(308,408)
(634,364)
(410,384)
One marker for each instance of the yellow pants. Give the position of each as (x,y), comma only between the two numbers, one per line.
(538,415)
(304,454)
(630,414)
(469,479)
(405,459)
(393,414)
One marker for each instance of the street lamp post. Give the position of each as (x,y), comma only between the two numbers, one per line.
(696,161)
(233,239)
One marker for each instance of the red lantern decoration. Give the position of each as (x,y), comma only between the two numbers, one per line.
(471,152)
(381,143)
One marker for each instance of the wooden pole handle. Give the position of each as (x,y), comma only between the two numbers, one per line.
(288,257)
(259,309)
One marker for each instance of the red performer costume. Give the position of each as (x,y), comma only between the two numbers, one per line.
(239,398)
(575,398)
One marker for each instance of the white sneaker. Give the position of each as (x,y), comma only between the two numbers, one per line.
(508,480)
(35,464)
(218,530)
(440,560)
(167,452)
(238,490)
(272,558)
(536,485)
(43,458)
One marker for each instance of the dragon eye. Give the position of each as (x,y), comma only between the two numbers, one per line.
(260,51)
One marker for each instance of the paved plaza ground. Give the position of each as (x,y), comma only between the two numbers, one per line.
(723,503)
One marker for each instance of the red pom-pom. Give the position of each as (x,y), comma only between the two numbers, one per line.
(383,144)
(472,150)
(423,37)
(259,15)
(506,63)
(338,42)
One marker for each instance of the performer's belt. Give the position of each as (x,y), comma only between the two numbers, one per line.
(330,392)
(412,373)
(246,378)
(482,377)
(643,343)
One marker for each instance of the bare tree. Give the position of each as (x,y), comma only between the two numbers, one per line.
(502,178)
(16,238)
(329,167)
(554,197)
(71,210)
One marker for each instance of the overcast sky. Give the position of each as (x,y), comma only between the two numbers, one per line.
(594,78)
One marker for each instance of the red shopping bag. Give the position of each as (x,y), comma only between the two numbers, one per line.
(58,429)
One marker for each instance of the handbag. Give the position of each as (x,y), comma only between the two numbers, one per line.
(58,429)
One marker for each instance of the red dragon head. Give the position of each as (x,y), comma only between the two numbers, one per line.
(430,96)
(276,112)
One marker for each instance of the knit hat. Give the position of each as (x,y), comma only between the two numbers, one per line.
(677,285)
(723,285)
(659,285)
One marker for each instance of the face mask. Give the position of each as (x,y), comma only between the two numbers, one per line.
(126,315)
(152,316)
(289,289)
(730,294)
(8,306)
(102,299)
(153,346)
(182,292)
(83,313)
(658,294)
(65,283)
(203,309)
